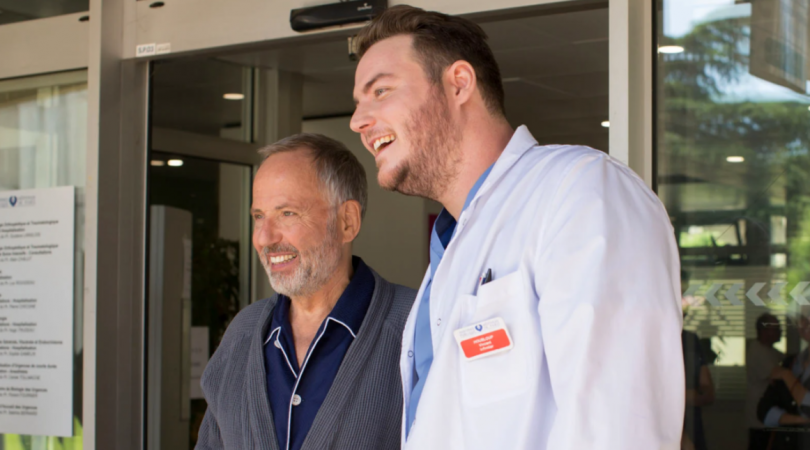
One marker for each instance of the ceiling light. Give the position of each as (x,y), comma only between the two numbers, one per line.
(233,96)
(670,49)
(158,162)
(175,162)
(606,124)
(735,159)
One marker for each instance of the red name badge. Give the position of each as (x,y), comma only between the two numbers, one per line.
(483,339)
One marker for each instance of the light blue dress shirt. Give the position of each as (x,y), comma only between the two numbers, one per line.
(443,231)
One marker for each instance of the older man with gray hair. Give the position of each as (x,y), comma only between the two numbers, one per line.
(317,365)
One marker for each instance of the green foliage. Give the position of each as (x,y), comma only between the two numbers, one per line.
(704,122)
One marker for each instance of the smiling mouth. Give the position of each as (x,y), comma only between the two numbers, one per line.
(381,142)
(281,259)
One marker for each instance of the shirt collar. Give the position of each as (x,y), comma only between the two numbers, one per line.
(521,142)
(445,221)
(352,305)
(350,309)
(445,225)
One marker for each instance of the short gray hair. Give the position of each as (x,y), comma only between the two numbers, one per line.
(338,169)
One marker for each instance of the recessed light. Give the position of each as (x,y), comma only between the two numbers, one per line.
(175,162)
(233,96)
(670,49)
(158,162)
(735,159)
(606,124)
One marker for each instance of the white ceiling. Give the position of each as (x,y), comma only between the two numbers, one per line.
(555,71)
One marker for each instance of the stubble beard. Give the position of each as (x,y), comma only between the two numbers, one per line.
(315,266)
(435,158)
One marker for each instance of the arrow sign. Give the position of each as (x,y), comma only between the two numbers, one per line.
(752,294)
(731,294)
(774,293)
(710,294)
(692,289)
(798,293)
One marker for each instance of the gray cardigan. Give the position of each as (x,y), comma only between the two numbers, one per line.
(363,409)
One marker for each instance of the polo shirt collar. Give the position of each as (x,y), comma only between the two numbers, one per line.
(521,141)
(350,309)
(352,305)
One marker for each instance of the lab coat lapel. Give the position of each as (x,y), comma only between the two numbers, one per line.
(522,140)
(259,415)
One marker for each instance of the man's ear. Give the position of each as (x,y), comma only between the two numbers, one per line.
(460,81)
(349,219)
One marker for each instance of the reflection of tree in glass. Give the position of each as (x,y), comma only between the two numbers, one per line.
(215,285)
(703,124)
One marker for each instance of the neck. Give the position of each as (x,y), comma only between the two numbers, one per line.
(483,140)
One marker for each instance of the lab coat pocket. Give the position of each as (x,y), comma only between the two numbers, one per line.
(503,375)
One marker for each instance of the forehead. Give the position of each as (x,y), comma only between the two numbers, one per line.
(289,175)
(393,55)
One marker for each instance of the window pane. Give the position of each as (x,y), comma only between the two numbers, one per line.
(733,169)
(43,141)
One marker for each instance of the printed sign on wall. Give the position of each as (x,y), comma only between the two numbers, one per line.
(36,311)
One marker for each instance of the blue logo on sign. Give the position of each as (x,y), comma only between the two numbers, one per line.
(479,327)
(12,200)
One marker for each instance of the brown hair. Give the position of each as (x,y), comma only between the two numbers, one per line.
(440,40)
(339,171)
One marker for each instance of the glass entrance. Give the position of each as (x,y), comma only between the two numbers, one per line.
(733,160)
(199,252)
(210,115)
(198,281)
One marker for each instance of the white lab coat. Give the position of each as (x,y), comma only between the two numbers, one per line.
(586,276)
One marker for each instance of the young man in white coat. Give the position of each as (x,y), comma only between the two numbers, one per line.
(550,315)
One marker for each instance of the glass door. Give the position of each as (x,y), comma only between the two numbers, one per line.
(199,251)
(199,245)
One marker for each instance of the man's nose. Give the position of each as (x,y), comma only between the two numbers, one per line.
(362,119)
(265,235)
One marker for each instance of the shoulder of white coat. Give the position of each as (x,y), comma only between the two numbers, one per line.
(559,159)
(567,163)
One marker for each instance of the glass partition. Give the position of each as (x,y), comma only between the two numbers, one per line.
(733,169)
(43,141)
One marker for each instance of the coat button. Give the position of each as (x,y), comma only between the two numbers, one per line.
(296,400)
(438,321)
(410,353)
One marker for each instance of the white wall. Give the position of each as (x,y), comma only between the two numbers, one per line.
(394,237)
(190,25)
(45,45)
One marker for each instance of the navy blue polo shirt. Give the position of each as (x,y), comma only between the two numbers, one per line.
(296,393)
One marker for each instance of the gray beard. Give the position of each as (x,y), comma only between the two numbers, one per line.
(435,158)
(315,266)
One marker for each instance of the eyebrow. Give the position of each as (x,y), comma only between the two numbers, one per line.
(281,206)
(371,83)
